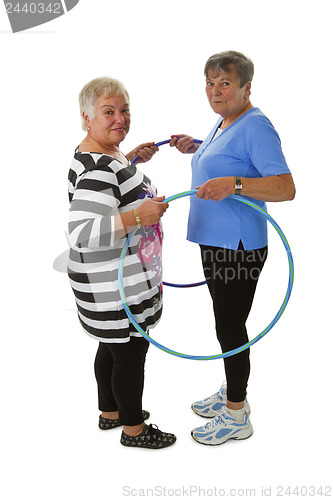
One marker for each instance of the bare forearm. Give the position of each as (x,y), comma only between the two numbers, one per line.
(147,214)
(271,188)
(124,224)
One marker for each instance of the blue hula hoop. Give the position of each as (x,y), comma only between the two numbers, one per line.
(238,349)
(167,283)
(158,144)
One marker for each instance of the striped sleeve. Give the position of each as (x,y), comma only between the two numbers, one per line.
(94,204)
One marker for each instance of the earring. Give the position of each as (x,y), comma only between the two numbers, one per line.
(88,128)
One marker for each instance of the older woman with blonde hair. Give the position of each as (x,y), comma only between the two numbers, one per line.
(241,155)
(109,197)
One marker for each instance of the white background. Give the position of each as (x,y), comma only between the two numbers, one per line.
(50,441)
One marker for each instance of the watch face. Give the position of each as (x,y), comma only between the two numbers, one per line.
(238,185)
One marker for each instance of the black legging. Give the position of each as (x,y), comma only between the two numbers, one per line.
(232,277)
(119,371)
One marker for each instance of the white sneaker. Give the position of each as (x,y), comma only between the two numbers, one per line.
(213,405)
(222,428)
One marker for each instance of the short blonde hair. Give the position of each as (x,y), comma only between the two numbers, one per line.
(93,90)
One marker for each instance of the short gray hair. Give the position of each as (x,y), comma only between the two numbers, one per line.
(93,90)
(223,60)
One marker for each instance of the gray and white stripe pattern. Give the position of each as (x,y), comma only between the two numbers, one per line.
(99,188)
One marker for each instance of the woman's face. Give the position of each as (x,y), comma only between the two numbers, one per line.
(224,93)
(112,120)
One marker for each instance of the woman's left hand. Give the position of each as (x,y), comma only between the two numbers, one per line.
(146,151)
(216,189)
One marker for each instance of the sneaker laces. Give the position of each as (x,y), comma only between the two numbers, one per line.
(211,398)
(219,419)
(154,432)
(214,396)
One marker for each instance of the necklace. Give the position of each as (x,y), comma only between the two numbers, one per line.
(121,155)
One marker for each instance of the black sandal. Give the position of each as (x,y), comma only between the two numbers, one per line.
(150,437)
(107,423)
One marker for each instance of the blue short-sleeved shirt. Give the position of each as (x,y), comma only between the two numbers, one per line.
(249,147)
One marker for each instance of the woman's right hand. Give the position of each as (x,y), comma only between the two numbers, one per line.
(152,210)
(184,143)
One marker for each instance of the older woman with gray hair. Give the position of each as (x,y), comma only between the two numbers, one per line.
(110,197)
(241,155)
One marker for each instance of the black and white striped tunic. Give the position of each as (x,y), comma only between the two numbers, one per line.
(99,188)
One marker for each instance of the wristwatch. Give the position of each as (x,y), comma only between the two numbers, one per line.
(238,185)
